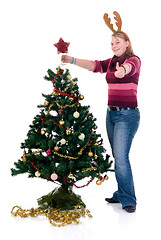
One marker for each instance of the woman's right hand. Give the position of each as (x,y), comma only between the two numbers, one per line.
(87,64)
(66,59)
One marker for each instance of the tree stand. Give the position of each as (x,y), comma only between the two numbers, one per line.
(60,198)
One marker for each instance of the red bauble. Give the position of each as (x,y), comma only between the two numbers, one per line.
(62,47)
(48,152)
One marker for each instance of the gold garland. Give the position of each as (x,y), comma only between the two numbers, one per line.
(89,169)
(29,154)
(56,217)
(64,106)
(49,110)
(55,93)
(70,79)
(60,155)
(64,156)
(79,153)
(82,149)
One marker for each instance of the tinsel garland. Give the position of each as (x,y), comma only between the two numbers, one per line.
(62,93)
(56,217)
(65,156)
(65,106)
(83,185)
(66,94)
(49,110)
(49,121)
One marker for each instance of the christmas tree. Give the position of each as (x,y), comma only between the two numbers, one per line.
(62,145)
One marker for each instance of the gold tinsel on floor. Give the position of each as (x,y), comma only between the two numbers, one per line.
(56,217)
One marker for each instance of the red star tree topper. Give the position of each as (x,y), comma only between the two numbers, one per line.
(62,47)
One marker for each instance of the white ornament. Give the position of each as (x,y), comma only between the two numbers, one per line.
(63,141)
(37,174)
(81,136)
(53,113)
(76,114)
(62,81)
(54,176)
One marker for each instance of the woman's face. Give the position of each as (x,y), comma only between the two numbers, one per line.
(118,46)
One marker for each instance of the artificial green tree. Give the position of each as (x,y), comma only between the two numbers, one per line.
(62,145)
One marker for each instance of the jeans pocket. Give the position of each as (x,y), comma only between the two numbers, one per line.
(132,116)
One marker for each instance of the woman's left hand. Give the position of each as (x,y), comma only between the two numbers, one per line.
(120,73)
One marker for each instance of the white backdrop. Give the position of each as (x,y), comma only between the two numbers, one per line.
(28,30)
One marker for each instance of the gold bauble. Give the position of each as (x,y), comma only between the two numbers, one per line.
(81,97)
(37,174)
(46,103)
(43,131)
(71,176)
(61,122)
(95,156)
(90,154)
(90,116)
(71,99)
(95,127)
(68,131)
(96,144)
(98,182)
(105,177)
(56,148)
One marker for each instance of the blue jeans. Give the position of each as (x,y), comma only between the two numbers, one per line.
(121,128)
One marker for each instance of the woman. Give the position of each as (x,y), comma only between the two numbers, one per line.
(122,75)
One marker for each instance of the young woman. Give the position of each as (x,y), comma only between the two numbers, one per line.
(122,75)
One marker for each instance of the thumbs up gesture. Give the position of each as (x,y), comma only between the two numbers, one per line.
(120,72)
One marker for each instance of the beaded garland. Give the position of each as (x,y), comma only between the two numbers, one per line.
(56,217)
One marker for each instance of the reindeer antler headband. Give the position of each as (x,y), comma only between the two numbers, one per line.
(110,25)
(117,17)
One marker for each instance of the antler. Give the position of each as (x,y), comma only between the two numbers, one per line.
(110,25)
(118,20)
(108,22)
